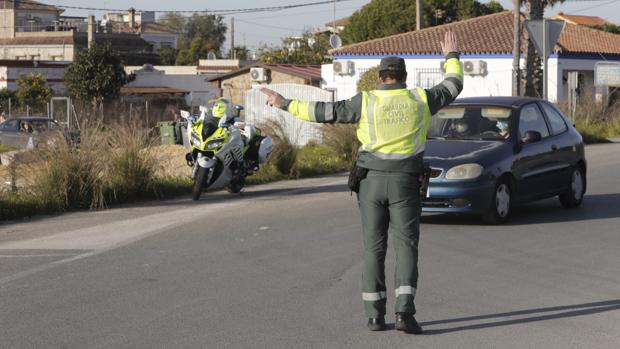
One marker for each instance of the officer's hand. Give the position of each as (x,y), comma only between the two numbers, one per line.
(274,99)
(449,44)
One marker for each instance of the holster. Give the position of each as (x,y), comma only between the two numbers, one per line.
(356,176)
(424,179)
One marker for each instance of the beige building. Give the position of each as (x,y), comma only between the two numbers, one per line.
(233,85)
(35,31)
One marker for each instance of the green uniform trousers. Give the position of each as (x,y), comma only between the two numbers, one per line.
(390,200)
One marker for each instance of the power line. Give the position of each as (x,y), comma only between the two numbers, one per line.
(270,26)
(220,12)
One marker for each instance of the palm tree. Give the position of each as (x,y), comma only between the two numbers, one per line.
(533,84)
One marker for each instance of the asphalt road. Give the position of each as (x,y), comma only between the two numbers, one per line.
(279,267)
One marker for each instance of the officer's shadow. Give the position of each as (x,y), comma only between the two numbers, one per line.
(539,314)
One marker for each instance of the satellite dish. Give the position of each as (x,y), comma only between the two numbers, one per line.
(335,41)
(211,56)
(311,42)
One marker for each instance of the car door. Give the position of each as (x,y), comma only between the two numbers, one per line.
(563,156)
(532,166)
(9,132)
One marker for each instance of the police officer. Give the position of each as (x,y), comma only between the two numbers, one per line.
(392,122)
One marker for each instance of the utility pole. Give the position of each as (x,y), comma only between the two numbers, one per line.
(516,49)
(233,54)
(418,14)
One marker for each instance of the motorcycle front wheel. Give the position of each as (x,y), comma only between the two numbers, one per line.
(199,182)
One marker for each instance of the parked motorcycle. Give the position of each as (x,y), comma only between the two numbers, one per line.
(226,157)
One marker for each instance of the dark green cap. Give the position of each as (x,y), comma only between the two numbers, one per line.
(392,63)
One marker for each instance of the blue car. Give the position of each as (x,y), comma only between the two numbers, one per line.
(488,154)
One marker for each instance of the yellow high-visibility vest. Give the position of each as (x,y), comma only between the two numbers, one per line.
(393,123)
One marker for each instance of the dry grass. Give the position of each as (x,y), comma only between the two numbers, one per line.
(595,122)
(284,156)
(343,140)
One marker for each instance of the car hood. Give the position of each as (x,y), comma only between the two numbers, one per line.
(463,151)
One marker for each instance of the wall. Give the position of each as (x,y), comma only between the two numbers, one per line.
(424,71)
(38,52)
(44,19)
(157,39)
(7,23)
(235,87)
(585,65)
(53,75)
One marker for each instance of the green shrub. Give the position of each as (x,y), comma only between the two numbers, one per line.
(369,79)
(316,159)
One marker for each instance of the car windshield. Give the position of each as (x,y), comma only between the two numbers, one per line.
(471,123)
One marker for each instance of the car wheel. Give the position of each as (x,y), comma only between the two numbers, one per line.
(574,196)
(501,204)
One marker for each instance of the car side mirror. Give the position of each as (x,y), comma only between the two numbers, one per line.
(531,137)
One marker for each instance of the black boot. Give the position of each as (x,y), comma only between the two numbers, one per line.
(406,322)
(376,323)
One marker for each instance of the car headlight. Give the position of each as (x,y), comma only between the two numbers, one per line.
(466,171)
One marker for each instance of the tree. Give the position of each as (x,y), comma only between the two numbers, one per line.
(241,52)
(199,34)
(610,28)
(32,91)
(96,74)
(381,18)
(198,49)
(533,84)
(167,55)
(368,80)
(5,96)
(307,49)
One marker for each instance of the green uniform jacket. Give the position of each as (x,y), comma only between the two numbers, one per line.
(349,111)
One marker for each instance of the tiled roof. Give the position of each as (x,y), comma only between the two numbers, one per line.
(581,20)
(32,64)
(339,22)
(151,90)
(38,40)
(491,34)
(154,28)
(306,71)
(35,5)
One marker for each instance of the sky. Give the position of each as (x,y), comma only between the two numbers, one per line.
(254,29)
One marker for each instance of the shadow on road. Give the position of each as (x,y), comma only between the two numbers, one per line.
(559,312)
(595,206)
(223,196)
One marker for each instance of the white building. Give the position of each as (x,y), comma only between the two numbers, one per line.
(53,72)
(486,52)
(143,24)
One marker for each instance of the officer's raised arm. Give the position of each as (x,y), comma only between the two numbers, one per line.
(446,91)
(347,111)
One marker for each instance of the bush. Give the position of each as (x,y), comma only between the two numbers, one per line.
(284,155)
(594,121)
(368,80)
(317,159)
(131,165)
(342,139)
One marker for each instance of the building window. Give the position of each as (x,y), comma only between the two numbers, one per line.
(428,77)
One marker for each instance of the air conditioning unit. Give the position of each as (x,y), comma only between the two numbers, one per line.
(475,67)
(259,74)
(343,67)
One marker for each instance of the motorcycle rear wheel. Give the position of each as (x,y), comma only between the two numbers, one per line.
(199,182)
